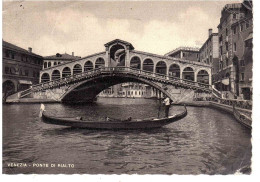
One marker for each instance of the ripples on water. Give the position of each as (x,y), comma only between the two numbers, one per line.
(206,141)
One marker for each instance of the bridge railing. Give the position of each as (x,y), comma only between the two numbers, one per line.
(69,78)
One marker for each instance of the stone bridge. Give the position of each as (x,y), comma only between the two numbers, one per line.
(83,79)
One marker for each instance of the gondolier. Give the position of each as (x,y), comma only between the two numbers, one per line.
(167,103)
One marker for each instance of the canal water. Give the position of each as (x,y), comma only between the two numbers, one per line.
(207,141)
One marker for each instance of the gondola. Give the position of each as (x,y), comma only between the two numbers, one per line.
(242,118)
(113,124)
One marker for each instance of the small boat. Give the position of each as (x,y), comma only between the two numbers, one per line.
(242,118)
(113,124)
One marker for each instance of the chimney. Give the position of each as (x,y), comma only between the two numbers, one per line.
(30,49)
(210,32)
(72,53)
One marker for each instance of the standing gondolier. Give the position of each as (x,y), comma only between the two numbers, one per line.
(167,103)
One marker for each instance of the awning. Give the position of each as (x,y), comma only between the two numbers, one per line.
(26,82)
(250,36)
(225,81)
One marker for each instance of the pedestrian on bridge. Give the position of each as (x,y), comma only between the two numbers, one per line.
(167,103)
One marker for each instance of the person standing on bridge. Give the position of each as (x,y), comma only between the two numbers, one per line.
(167,103)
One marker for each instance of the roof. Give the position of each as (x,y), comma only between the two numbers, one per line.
(59,56)
(120,41)
(191,49)
(13,47)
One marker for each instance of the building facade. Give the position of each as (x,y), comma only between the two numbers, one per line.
(21,68)
(233,32)
(187,53)
(209,51)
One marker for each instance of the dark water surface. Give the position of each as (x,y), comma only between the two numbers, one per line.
(206,141)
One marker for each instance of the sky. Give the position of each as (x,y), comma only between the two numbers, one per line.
(84,27)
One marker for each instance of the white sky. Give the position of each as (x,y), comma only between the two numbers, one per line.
(84,27)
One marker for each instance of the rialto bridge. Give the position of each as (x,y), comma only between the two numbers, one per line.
(82,79)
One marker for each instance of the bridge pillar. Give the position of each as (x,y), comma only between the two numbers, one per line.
(107,62)
(127,56)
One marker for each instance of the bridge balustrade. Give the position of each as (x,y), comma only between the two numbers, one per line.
(147,74)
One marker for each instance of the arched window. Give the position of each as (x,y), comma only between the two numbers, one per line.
(77,69)
(66,72)
(188,74)
(203,77)
(55,75)
(45,77)
(174,70)
(100,62)
(161,67)
(135,62)
(148,65)
(88,66)
(45,65)
(49,64)
(55,63)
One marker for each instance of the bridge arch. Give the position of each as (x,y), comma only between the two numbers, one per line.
(135,62)
(161,67)
(100,62)
(88,65)
(45,77)
(202,76)
(55,75)
(66,72)
(188,73)
(175,70)
(148,64)
(108,81)
(77,68)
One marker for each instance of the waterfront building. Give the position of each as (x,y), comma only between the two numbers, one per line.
(187,53)
(53,60)
(209,51)
(234,76)
(21,68)
(133,90)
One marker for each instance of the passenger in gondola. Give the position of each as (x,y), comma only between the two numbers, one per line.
(167,104)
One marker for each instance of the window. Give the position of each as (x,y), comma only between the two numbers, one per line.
(235,30)
(226,46)
(235,47)
(242,62)
(12,55)
(242,78)
(7,70)
(7,54)
(26,72)
(234,16)
(226,61)
(241,27)
(247,25)
(226,31)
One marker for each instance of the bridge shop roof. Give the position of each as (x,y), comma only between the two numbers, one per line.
(59,56)
(121,41)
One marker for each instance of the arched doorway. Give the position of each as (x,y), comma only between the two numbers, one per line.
(100,62)
(117,55)
(148,65)
(66,72)
(174,70)
(188,74)
(77,69)
(55,75)
(88,66)
(135,62)
(203,77)
(161,67)
(45,77)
